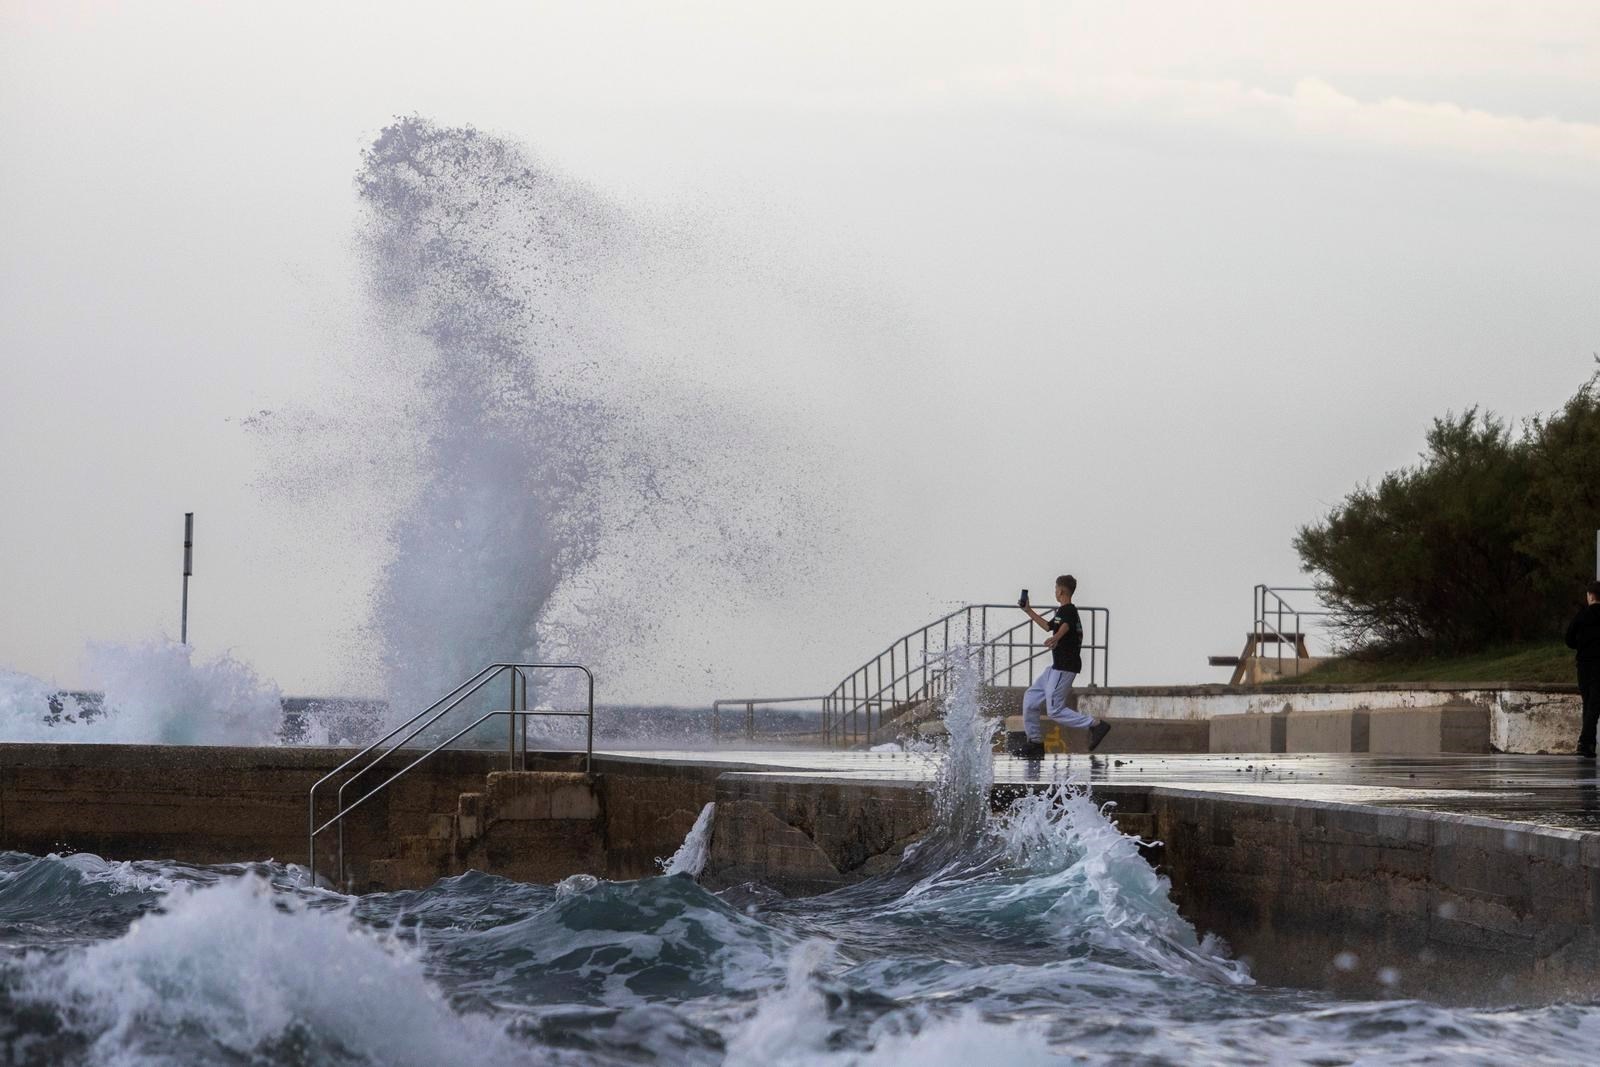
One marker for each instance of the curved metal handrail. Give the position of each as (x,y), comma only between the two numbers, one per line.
(444,705)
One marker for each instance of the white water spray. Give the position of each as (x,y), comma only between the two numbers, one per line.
(961,789)
(691,856)
(155,692)
(531,458)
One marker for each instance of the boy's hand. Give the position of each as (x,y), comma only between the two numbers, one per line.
(1050,642)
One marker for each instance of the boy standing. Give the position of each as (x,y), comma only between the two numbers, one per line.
(1051,692)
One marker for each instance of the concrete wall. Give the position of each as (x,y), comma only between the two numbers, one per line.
(1386,901)
(1523,718)
(204,804)
(1326,895)
(1459,728)
(1327,731)
(1261,732)
(805,835)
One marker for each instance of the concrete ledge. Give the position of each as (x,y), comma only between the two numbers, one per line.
(1327,731)
(1133,736)
(1529,718)
(1263,732)
(1462,728)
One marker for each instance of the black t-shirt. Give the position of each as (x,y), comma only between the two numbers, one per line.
(1068,653)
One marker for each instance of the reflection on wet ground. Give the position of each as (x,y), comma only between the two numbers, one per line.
(1559,791)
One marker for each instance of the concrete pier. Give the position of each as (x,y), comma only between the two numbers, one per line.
(1460,877)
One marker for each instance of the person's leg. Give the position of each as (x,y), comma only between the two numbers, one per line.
(1589,686)
(1033,702)
(1060,704)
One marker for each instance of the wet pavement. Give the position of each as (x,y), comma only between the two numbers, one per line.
(1557,791)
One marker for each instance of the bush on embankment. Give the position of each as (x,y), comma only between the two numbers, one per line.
(1485,542)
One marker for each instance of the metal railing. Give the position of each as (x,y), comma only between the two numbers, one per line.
(1269,611)
(371,757)
(914,667)
(749,704)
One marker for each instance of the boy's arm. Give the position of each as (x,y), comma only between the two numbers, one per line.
(1035,616)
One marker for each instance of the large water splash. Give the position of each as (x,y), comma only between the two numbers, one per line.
(530,457)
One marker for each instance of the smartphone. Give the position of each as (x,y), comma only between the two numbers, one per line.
(1023,601)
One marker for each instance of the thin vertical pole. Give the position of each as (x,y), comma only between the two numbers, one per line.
(188,569)
(511,726)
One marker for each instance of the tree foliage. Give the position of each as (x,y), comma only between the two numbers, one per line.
(1486,540)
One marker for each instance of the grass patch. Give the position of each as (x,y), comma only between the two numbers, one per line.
(1544,661)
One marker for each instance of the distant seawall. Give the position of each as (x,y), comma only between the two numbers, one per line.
(1522,718)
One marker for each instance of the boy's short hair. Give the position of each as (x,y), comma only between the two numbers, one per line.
(1070,584)
(1594,587)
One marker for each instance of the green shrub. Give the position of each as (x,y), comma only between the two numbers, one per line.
(1486,541)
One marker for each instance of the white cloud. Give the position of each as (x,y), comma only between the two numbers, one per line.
(1313,112)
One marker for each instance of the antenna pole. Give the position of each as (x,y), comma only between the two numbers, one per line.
(188,569)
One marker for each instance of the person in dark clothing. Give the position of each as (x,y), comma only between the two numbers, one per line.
(1583,637)
(1051,692)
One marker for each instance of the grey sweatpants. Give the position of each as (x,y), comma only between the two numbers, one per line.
(1051,693)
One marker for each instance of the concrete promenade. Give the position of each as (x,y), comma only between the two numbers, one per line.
(1551,791)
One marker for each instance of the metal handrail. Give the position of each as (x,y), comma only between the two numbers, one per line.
(749,705)
(445,704)
(864,690)
(1260,624)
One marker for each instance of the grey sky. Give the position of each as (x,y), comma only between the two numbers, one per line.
(1131,290)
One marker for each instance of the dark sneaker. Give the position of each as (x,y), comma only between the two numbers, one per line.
(1586,753)
(1033,750)
(1097,734)
(1016,741)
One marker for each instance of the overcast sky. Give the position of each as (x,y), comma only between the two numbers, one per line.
(1131,290)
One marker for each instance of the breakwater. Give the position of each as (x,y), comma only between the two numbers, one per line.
(1325,882)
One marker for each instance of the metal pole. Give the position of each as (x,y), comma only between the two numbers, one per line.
(188,569)
(511,726)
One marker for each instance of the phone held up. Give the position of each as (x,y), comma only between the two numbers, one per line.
(1022,601)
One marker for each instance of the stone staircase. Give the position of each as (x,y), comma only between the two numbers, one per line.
(531,826)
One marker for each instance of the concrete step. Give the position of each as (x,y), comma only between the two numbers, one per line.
(524,795)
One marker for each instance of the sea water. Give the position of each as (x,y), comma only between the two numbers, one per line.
(1046,939)
(1038,935)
